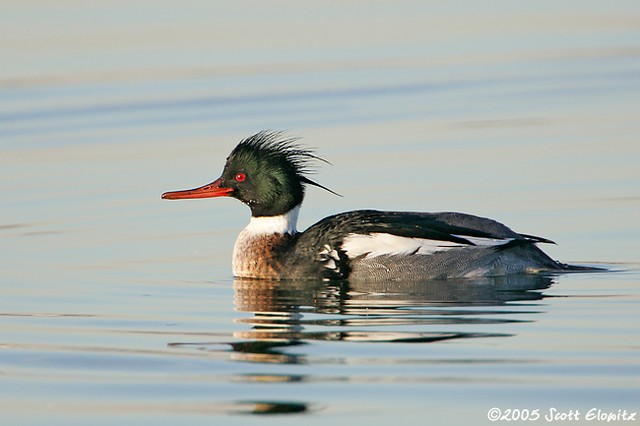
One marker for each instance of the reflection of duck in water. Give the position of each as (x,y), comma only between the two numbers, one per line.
(268,173)
(289,314)
(375,297)
(281,309)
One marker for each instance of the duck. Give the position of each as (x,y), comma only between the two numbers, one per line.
(269,173)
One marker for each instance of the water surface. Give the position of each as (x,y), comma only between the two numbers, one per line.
(120,308)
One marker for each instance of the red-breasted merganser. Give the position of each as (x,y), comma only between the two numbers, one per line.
(268,173)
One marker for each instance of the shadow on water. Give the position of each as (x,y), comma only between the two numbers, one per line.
(287,315)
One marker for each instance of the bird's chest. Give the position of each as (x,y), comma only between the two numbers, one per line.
(260,256)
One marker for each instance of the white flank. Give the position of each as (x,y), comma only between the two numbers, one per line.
(381,244)
(281,224)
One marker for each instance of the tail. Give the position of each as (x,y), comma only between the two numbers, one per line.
(563,266)
(580,268)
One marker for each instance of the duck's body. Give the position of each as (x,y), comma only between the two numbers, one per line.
(267,173)
(369,244)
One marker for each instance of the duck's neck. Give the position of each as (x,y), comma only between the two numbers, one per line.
(255,250)
(281,224)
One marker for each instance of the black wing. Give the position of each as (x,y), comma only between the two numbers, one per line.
(448,226)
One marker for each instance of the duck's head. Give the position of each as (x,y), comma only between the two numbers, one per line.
(266,171)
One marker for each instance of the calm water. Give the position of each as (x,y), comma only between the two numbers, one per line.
(120,308)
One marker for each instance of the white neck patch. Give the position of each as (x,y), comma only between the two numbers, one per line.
(281,224)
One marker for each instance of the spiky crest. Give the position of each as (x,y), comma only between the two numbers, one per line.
(277,148)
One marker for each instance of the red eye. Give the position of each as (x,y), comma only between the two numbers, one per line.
(240,177)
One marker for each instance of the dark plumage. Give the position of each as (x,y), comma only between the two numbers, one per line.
(276,170)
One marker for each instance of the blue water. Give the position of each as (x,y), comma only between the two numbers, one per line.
(119,308)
